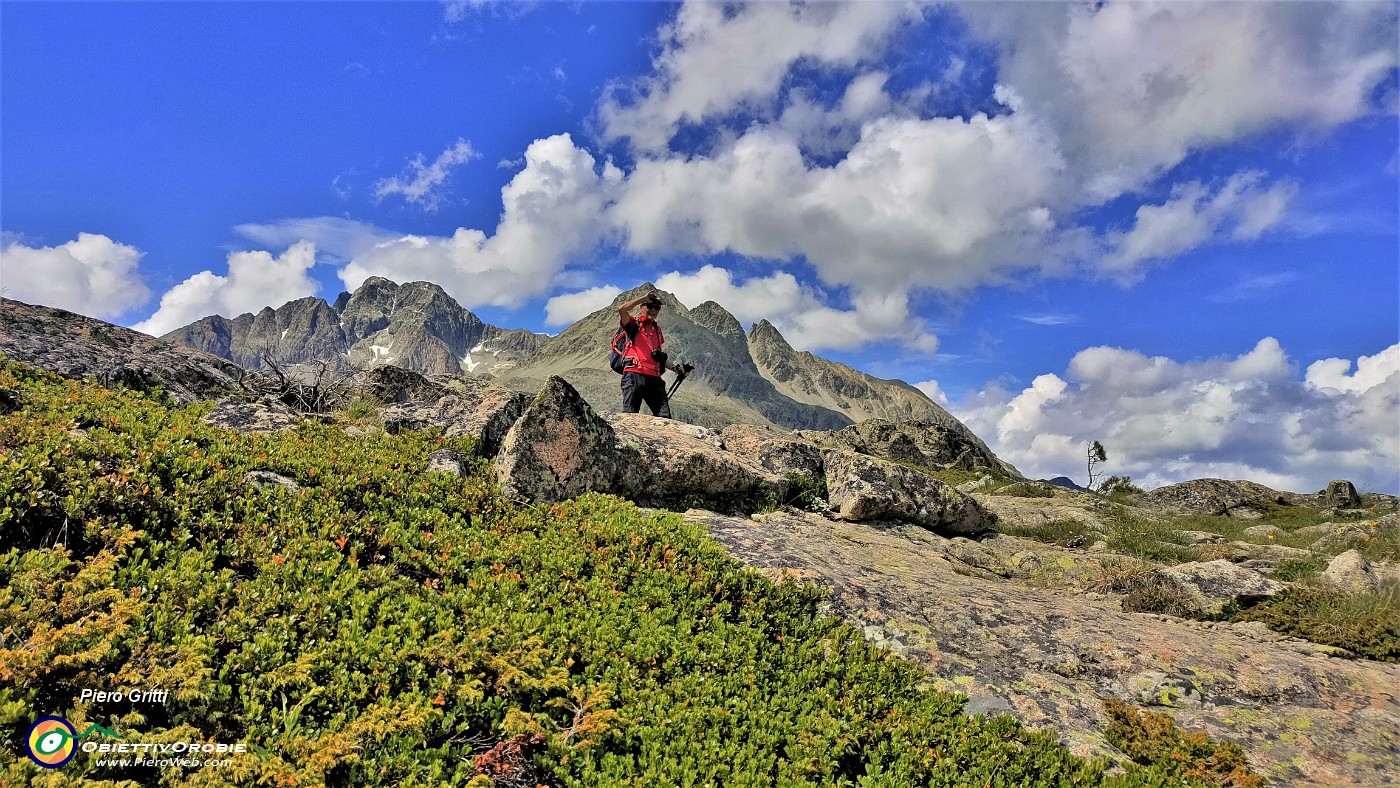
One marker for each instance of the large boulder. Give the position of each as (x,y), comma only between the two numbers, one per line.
(777,451)
(863,488)
(1213,584)
(674,464)
(1341,494)
(1351,572)
(558,448)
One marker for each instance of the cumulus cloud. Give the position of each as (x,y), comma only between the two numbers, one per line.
(254,280)
(563,310)
(552,211)
(92,275)
(1334,376)
(800,312)
(422,184)
(715,58)
(1165,421)
(1132,88)
(1240,209)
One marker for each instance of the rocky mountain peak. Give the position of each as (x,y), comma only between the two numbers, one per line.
(717,319)
(766,335)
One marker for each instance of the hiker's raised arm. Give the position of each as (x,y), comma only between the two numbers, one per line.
(624,312)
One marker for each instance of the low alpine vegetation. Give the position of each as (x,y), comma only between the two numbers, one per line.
(358,620)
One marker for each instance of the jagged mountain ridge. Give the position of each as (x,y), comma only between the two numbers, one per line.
(740,377)
(416,325)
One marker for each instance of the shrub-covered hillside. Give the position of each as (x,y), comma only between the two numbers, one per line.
(384,624)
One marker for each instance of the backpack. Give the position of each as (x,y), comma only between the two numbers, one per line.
(621,341)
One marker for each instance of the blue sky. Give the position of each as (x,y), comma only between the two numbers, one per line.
(1169,227)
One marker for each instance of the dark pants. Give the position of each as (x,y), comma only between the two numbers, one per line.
(638,388)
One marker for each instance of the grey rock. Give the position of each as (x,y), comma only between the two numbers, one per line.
(446,461)
(260,416)
(865,488)
(263,479)
(1201,537)
(1216,496)
(1351,572)
(1264,531)
(778,451)
(558,448)
(669,463)
(1341,494)
(80,347)
(469,407)
(1213,584)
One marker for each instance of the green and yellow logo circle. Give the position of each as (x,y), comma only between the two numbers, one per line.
(51,742)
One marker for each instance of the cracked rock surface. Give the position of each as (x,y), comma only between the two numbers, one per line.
(1052,656)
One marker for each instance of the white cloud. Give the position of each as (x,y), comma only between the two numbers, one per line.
(337,240)
(92,275)
(714,59)
(1195,215)
(254,280)
(422,183)
(552,211)
(1165,421)
(563,310)
(933,390)
(1331,375)
(1131,88)
(799,312)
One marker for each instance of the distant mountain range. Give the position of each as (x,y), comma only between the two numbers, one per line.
(740,377)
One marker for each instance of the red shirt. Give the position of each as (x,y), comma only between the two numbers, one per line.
(647,339)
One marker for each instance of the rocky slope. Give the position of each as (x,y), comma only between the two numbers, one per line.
(80,347)
(816,381)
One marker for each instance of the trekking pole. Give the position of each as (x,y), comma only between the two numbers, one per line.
(680,378)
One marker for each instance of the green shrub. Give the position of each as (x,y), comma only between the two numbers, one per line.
(1364,624)
(1293,569)
(1065,533)
(1154,740)
(1155,595)
(1149,540)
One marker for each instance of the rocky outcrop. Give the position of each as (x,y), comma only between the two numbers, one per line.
(1340,494)
(252,416)
(1218,497)
(469,407)
(80,347)
(1213,584)
(1051,655)
(931,445)
(863,488)
(778,451)
(558,448)
(669,463)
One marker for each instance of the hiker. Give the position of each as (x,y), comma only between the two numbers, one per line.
(643,360)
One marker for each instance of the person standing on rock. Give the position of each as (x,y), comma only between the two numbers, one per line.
(645,360)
